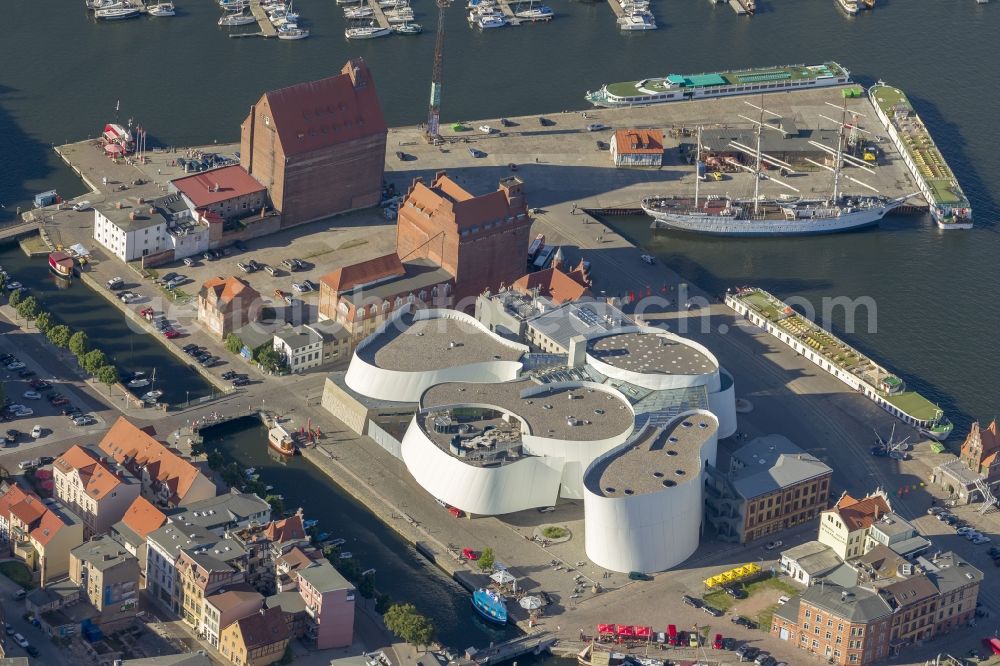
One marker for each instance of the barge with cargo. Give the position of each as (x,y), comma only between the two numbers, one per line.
(840,360)
(948,204)
(756,81)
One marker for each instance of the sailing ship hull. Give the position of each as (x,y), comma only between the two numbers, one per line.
(718,225)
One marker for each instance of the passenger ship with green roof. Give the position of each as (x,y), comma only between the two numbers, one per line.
(677,87)
(948,205)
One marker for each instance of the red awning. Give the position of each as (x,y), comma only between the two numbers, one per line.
(113,148)
(993,644)
(605,628)
(625,630)
(643,632)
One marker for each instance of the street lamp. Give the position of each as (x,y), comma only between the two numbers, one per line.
(187,402)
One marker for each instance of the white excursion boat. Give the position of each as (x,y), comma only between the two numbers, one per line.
(116,14)
(849,6)
(488,21)
(287,32)
(236,19)
(162,9)
(366,32)
(637,22)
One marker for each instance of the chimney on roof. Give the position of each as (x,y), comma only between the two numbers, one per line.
(132,216)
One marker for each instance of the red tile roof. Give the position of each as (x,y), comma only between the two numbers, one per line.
(858,514)
(29,510)
(142,517)
(48,528)
(265,627)
(366,272)
(639,141)
(554,284)
(98,479)
(223,293)
(127,442)
(212,187)
(444,196)
(288,529)
(14,495)
(331,111)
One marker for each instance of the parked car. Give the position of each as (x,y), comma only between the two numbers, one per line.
(934,510)
(84,420)
(81,206)
(32,395)
(595,127)
(638,575)
(486,129)
(782,600)
(27,464)
(21,640)
(170,333)
(271,270)
(475,152)
(16,365)
(302,287)
(713,611)
(744,622)
(189,262)
(239,245)
(240,381)
(691,601)
(115,283)
(36,432)
(771,545)
(46,460)
(25,411)
(736,592)
(245,267)
(718,642)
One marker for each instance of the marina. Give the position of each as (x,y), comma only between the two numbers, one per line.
(948,204)
(840,360)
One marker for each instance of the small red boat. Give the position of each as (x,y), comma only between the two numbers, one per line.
(61,264)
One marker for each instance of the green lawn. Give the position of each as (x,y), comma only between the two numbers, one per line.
(719,599)
(18,573)
(772,584)
(764,305)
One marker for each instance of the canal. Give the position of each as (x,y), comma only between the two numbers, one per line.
(400,571)
(82,309)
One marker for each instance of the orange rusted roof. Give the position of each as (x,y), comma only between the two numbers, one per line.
(142,517)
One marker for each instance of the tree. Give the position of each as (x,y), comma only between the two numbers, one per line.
(108,375)
(269,358)
(215,459)
(14,298)
(382,603)
(366,586)
(59,336)
(3,394)
(93,361)
(277,504)
(79,343)
(233,343)
(27,308)
(43,322)
(487,559)
(404,621)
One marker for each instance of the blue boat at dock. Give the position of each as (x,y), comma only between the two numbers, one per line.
(490,606)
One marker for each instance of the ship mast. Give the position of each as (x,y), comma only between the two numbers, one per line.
(840,157)
(697,161)
(757,168)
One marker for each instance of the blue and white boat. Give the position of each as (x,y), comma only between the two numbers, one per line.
(490,606)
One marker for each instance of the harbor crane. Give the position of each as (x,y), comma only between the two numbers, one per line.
(433,130)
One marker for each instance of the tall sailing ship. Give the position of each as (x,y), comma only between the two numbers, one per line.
(783,216)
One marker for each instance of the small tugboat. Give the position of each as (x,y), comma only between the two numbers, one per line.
(61,264)
(282,442)
(490,606)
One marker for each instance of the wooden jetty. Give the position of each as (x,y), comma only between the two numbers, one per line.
(508,12)
(380,17)
(533,644)
(743,7)
(617,8)
(267,28)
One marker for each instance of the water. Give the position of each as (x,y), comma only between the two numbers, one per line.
(80,308)
(399,570)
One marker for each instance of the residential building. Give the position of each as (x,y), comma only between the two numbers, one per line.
(97,492)
(848,626)
(482,241)
(223,608)
(130,230)
(961,483)
(229,193)
(809,562)
(844,528)
(981,452)
(267,544)
(301,346)
(49,541)
(256,640)
(329,601)
(165,546)
(206,570)
(108,576)
(957,583)
(363,296)
(131,531)
(227,304)
(771,485)
(226,512)
(637,148)
(897,534)
(13,495)
(318,147)
(167,479)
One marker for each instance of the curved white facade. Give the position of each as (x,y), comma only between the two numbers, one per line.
(722,403)
(647,532)
(379,383)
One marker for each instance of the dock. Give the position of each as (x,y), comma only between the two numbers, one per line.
(508,12)
(267,28)
(617,8)
(743,7)
(534,644)
(380,17)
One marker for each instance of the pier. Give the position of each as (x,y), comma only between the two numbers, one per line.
(619,11)
(18,229)
(380,17)
(534,644)
(742,7)
(267,28)
(508,12)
